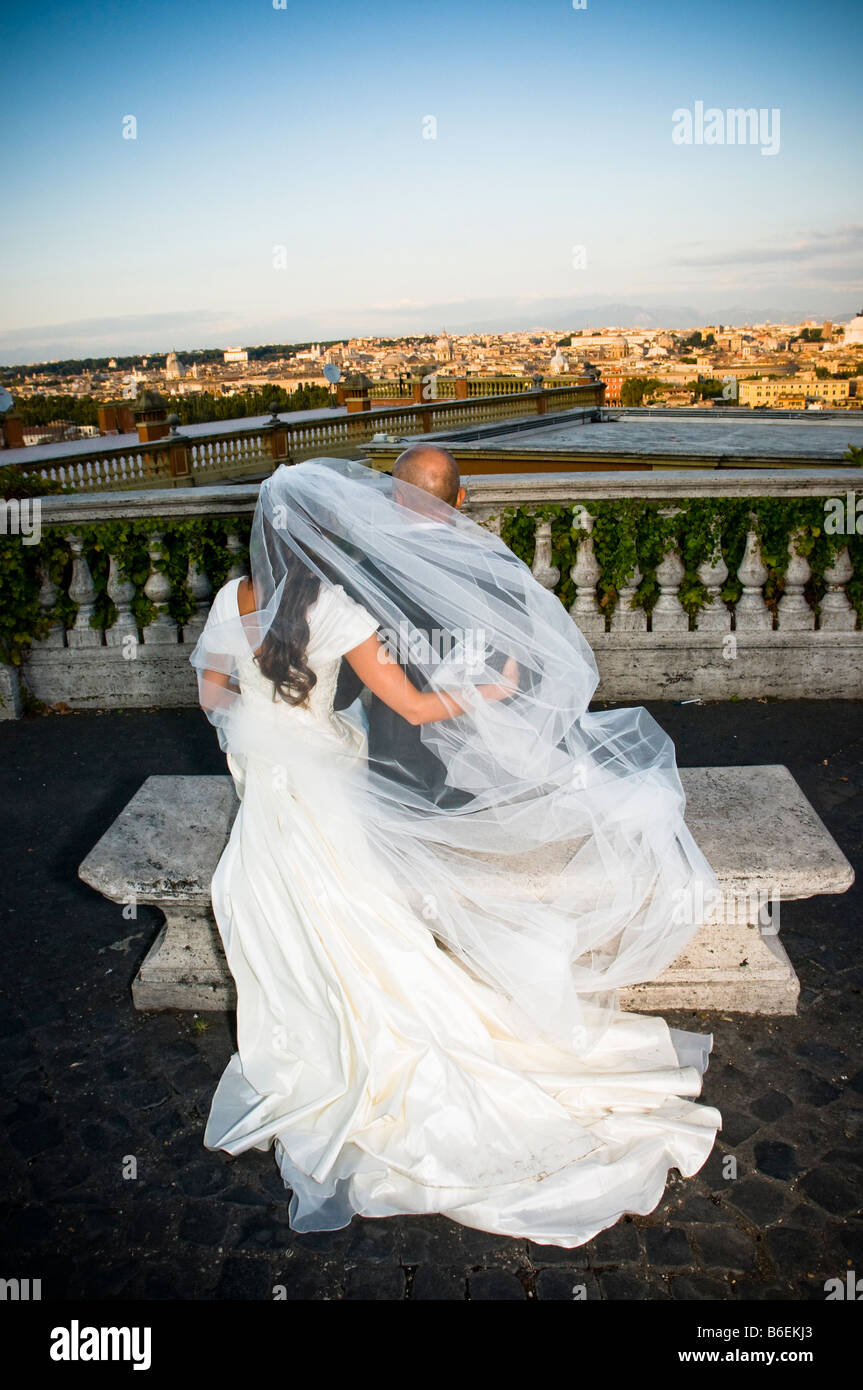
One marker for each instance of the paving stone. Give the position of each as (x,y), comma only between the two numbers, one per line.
(29,1227)
(667,1246)
(203,1180)
(822,1053)
(566,1285)
(204,1224)
(623,1284)
(263,1234)
(776,1159)
(722,1247)
(147,1222)
(246,1279)
(377,1281)
(617,1245)
(322,1242)
(495,1284)
(771,1106)
(433,1282)
(749,1289)
(812,1089)
(852,1241)
(790,1248)
(704,1209)
(371,1240)
(303,1278)
(830,1191)
(422,1239)
(757,1199)
(246,1196)
(576,1257)
(697,1287)
(34,1138)
(100,1279)
(737,1127)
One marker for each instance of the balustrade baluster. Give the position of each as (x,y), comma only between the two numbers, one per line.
(668,614)
(793,612)
(239,558)
(163,630)
(82,592)
(542,569)
(585,573)
(48,592)
(201,590)
(626,616)
(751,613)
(121,593)
(837,612)
(714,616)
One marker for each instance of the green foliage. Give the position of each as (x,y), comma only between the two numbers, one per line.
(638,531)
(45,410)
(635,388)
(202,540)
(202,407)
(854,455)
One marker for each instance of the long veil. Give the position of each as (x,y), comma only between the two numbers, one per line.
(550,855)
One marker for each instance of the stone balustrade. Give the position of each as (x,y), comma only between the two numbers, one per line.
(182,461)
(745,648)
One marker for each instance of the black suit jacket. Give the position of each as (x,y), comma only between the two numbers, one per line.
(396,748)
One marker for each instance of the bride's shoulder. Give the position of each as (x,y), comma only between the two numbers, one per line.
(338,622)
(225,600)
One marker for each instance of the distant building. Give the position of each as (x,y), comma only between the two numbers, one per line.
(794,392)
(235,355)
(613,386)
(854,332)
(174,369)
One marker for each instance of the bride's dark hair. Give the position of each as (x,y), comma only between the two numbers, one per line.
(282,654)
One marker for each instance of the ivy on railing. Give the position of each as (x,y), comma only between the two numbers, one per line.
(627,532)
(203,540)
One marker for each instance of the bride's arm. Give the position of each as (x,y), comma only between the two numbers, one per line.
(378,670)
(212,685)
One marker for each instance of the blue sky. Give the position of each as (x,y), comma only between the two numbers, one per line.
(303,127)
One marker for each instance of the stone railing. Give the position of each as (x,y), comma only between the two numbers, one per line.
(201,459)
(744,649)
(464,388)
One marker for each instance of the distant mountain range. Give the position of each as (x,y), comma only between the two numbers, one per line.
(162,332)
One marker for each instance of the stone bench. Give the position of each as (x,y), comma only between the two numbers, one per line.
(763,838)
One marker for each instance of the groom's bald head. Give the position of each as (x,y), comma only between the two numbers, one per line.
(433,469)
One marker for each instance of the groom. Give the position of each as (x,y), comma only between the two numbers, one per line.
(396,748)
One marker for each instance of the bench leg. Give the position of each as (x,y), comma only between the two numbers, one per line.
(185,967)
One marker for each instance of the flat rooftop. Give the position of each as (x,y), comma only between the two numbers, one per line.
(825,437)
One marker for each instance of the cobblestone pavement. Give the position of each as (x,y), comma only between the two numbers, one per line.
(90,1083)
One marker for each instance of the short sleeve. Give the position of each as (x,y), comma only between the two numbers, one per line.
(337,624)
(221,639)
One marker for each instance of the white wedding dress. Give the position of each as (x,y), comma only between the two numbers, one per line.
(389,1078)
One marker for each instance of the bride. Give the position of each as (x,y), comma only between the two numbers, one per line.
(427,969)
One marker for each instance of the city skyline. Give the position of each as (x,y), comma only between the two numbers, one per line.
(391,170)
